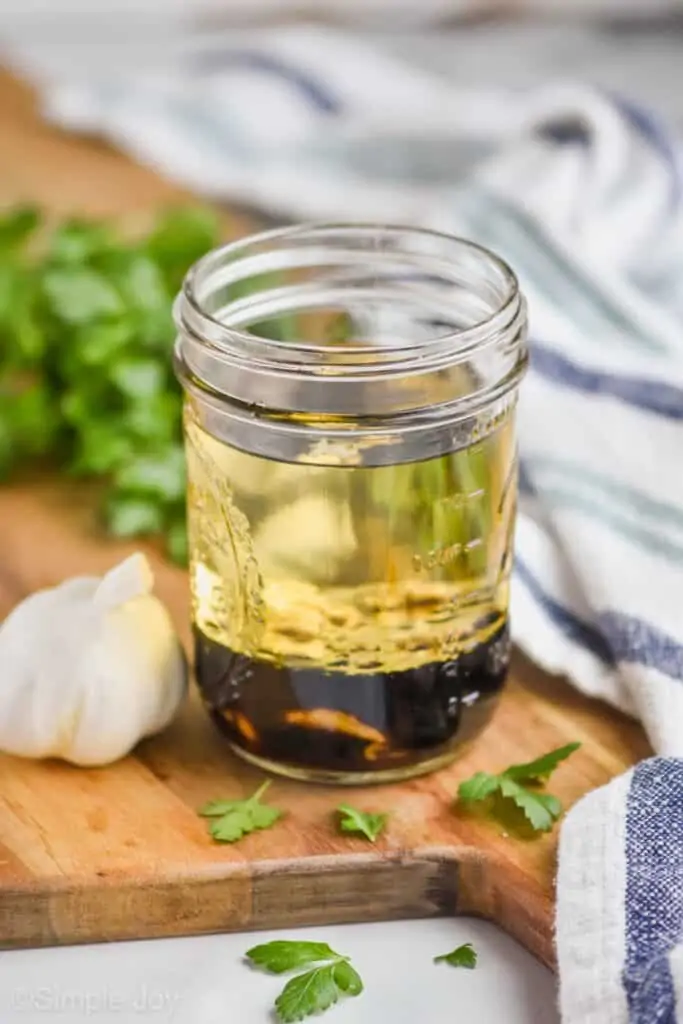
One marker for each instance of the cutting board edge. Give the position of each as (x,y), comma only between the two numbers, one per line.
(398,885)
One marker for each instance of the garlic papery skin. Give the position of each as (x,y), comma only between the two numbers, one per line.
(89,667)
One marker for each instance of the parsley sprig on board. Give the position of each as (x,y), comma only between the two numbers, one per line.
(520,784)
(86,377)
(361,822)
(230,820)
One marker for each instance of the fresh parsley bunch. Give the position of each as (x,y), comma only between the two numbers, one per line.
(86,377)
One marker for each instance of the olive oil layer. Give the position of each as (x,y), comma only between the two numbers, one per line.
(350,618)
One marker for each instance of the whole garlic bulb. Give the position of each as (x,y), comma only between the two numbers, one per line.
(89,667)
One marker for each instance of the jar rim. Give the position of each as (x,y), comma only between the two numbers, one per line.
(203,323)
(441,279)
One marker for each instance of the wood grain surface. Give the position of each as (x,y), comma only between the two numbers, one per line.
(120,853)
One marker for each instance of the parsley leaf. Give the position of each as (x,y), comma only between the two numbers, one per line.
(517,784)
(17,225)
(233,819)
(313,991)
(161,477)
(347,978)
(181,236)
(284,955)
(78,295)
(540,809)
(463,956)
(479,787)
(131,517)
(543,767)
(353,820)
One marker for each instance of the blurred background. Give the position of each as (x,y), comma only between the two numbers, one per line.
(276,110)
(633,47)
(621,43)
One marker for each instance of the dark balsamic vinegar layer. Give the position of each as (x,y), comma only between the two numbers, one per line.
(313,718)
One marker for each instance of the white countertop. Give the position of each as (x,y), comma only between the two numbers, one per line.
(204,980)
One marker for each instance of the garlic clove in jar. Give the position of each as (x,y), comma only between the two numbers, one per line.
(89,667)
(312,537)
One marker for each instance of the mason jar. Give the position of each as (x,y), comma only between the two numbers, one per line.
(349,423)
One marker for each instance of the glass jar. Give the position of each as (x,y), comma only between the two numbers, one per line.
(349,425)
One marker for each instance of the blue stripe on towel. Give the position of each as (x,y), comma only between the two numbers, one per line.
(655,134)
(617,637)
(654,888)
(524,481)
(580,632)
(311,88)
(650,395)
(636,642)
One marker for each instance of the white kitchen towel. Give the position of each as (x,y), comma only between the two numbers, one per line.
(582,192)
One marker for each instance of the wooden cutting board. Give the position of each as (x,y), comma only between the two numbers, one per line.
(120,853)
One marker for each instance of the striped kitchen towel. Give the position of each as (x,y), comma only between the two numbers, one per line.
(583,193)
